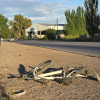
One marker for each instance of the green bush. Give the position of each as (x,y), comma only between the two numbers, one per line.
(59,37)
(23,36)
(44,38)
(51,34)
(75,38)
(28,37)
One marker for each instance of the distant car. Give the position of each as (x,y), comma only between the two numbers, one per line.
(1,38)
(10,39)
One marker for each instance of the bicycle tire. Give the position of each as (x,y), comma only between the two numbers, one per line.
(38,69)
(41,67)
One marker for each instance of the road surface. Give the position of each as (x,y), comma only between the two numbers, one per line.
(84,48)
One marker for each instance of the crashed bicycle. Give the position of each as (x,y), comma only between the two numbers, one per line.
(64,75)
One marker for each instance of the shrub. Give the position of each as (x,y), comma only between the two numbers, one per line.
(44,38)
(51,34)
(23,36)
(28,37)
(5,95)
(59,37)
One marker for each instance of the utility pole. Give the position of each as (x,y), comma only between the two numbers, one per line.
(57,30)
(57,25)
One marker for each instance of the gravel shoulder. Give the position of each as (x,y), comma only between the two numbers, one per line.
(16,58)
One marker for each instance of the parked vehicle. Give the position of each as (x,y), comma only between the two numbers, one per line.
(2,39)
(10,39)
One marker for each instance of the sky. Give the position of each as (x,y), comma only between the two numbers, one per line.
(39,11)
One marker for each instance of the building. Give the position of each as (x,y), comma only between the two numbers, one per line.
(38,29)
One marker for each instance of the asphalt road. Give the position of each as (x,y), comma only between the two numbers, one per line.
(82,48)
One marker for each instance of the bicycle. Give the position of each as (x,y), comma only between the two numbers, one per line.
(65,76)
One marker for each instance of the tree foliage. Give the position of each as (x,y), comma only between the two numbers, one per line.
(76,24)
(51,34)
(11,32)
(4,28)
(20,24)
(99,25)
(89,15)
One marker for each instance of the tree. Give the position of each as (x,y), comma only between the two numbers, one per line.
(11,32)
(91,15)
(99,25)
(4,28)
(75,22)
(20,24)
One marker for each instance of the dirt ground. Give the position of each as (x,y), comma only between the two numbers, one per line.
(15,59)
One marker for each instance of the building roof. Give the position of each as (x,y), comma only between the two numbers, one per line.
(44,26)
(51,24)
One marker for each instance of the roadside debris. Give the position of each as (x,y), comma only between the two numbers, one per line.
(18,94)
(63,75)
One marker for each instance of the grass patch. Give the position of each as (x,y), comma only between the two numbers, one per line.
(5,94)
(75,38)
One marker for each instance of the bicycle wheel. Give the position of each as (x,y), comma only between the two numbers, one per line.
(37,70)
(41,67)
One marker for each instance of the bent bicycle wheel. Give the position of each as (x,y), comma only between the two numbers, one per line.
(41,67)
(37,70)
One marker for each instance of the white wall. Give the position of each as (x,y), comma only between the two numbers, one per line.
(59,27)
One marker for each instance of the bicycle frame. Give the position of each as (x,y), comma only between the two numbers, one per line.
(49,75)
(65,78)
(45,76)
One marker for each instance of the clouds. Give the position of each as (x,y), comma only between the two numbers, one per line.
(37,10)
(43,11)
(11,10)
